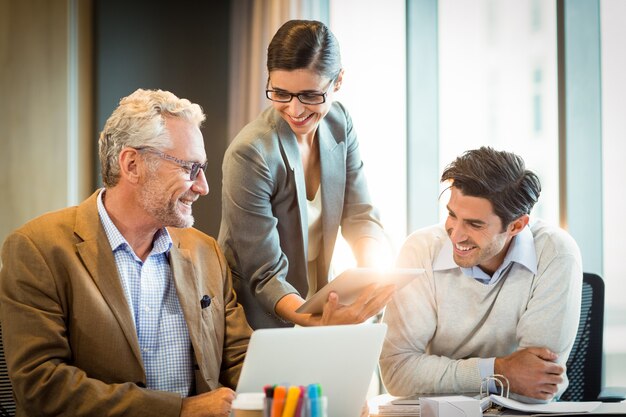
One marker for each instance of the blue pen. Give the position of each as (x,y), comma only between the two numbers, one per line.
(313,391)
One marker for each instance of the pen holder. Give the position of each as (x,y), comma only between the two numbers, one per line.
(311,407)
(316,407)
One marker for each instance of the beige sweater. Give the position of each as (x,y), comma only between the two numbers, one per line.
(440,326)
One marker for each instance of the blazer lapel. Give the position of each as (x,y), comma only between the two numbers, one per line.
(291,153)
(186,284)
(97,256)
(187,290)
(333,180)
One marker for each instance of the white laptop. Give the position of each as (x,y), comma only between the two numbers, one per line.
(341,359)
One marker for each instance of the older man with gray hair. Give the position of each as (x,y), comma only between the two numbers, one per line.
(117,306)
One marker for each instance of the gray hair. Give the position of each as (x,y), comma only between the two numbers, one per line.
(138,122)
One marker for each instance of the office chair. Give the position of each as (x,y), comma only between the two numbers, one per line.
(584,366)
(7,404)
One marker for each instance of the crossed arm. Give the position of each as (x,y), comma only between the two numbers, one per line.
(428,349)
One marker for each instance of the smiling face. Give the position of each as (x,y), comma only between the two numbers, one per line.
(477,233)
(303,118)
(167,192)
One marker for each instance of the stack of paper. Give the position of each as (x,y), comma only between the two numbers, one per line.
(387,405)
(405,410)
(556,407)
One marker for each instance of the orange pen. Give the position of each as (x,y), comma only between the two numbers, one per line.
(278,403)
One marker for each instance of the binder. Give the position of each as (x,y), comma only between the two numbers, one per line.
(499,402)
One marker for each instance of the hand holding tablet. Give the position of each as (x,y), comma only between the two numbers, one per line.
(351,283)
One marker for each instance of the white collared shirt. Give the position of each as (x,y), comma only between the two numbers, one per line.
(521,250)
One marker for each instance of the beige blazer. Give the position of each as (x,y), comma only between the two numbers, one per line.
(69,337)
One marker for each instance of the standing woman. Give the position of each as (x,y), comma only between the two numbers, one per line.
(291,178)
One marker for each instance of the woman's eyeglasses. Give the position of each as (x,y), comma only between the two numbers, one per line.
(282,96)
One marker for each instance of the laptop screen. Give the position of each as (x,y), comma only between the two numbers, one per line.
(341,359)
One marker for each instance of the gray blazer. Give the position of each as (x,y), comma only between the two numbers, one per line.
(264,228)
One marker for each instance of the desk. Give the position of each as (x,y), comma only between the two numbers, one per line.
(604,409)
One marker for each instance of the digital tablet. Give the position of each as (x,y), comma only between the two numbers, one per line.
(349,284)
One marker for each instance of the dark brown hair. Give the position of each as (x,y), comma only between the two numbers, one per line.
(498,176)
(305,44)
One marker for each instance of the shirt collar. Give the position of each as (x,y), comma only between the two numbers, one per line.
(161,243)
(521,251)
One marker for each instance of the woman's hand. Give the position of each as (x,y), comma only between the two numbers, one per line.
(371,300)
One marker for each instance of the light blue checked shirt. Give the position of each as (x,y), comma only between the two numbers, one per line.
(159,322)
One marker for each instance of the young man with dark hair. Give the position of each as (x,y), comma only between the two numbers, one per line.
(501,294)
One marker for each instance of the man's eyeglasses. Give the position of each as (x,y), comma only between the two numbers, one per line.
(281,96)
(193,167)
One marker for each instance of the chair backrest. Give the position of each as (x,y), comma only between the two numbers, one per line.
(584,366)
(7,403)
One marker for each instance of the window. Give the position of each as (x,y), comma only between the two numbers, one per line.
(498,86)
(374,92)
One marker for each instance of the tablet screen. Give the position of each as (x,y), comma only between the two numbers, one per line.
(349,284)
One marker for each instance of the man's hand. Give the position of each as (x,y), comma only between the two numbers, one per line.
(531,372)
(216,403)
(371,300)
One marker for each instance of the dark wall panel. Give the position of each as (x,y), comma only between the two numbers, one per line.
(177,46)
